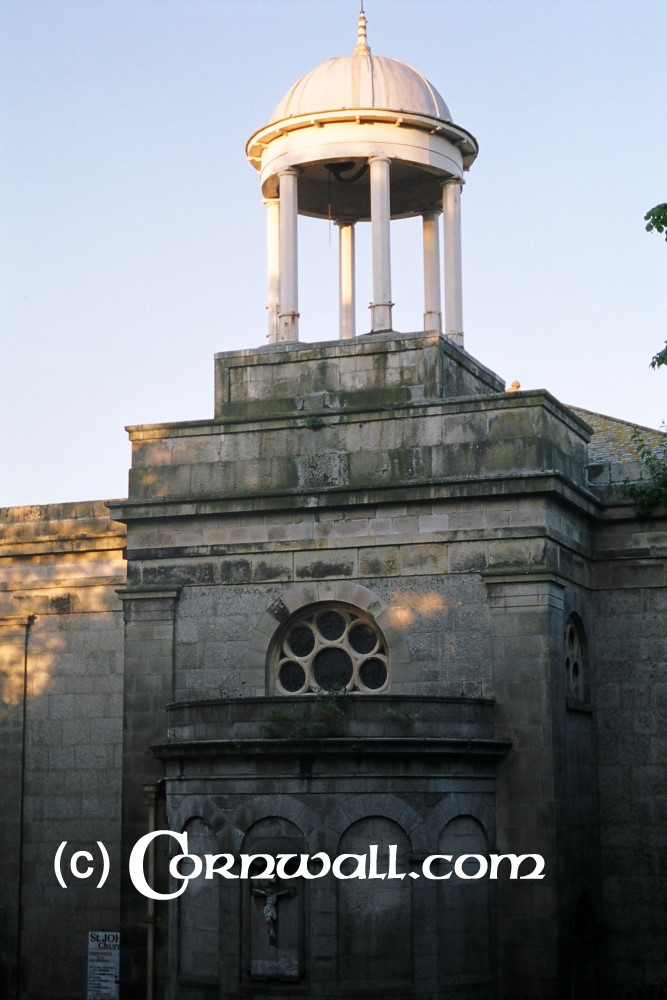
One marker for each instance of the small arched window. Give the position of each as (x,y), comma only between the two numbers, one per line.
(576,674)
(330,647)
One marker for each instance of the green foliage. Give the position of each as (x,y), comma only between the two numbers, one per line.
(288,725)
(314,422)
(647,496)
(406,719)
(330,706)
(660,358)
(656,219)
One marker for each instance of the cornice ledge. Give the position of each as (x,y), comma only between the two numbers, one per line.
(524,575)
(145,593)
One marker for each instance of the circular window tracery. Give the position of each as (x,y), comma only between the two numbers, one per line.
(574,659)
(330,648)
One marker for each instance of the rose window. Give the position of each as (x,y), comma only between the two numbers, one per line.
(331,648)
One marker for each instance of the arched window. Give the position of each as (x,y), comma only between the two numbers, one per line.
(330,647)
(576,674)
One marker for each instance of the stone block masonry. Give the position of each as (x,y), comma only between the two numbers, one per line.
(61,683)
(514,704)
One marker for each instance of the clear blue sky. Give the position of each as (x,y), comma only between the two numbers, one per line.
(134,246)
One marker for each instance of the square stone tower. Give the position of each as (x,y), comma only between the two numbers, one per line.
(352,587)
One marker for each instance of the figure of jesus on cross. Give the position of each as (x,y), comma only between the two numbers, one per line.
(271,908)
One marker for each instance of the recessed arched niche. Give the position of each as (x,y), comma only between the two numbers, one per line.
(465,911)
(199,913)
(272,908)
(375,915)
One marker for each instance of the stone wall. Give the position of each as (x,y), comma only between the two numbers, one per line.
(521,607)
(421,781)
(61,678)
(630,639)
(392,476)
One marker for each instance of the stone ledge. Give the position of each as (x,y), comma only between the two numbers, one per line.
(626,574)
(29,582)
(353,716)
(367,542)
(524,576)
(639,554)
(56,547)
(337,746)
(429,407)
(548,481)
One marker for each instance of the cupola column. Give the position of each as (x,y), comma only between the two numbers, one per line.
(273,265)
(346,280)
(451,215)
(288,326)
(380,218)
(432,304)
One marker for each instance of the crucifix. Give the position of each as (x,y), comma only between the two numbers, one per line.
(270,910)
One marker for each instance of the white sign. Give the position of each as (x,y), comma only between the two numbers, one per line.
(103,965)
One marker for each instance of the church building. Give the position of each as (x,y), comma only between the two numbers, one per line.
(376,604)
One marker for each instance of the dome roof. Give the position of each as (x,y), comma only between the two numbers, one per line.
(348,111)
(364,81)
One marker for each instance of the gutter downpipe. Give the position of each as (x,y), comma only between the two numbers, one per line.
(19,894)
(150,798)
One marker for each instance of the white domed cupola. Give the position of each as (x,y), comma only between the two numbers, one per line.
(360,138)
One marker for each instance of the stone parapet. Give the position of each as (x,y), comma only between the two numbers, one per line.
(487,438)
(60,558)
(352,716)
(389,367)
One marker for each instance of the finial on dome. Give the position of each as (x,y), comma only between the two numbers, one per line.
(362,48)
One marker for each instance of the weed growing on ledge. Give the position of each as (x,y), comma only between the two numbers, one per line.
(329,705)
(647,496)
(407,719)
(314,423)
